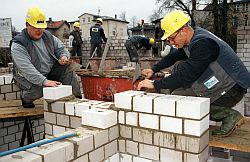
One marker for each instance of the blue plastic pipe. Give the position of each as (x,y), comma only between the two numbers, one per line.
(38,144)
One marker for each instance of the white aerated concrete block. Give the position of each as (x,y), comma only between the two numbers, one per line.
(1,80)
(121,117)
(84,143)
(144,102)
(169,124)
(149,121)
(85,105)
(56,151)
(167,155)
(165,105)
(124,99)
(132,118)
(193,107)
(22,156)
(100,118)
(54,93)
(201,157)
(7,78)
(196,128)
(70,108)
(148,151)
(115,158)
(125,158)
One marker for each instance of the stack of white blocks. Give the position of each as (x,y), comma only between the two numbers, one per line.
(163,127)
(149,127)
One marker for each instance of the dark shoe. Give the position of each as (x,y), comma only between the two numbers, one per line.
(26,104)
(233,120)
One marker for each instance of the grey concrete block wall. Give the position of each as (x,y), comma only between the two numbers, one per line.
(243,52)
(11,131)
(116,49)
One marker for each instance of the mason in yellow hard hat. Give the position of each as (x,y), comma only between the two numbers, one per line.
(207,67)
(75,41)
(40,60)
(136,42)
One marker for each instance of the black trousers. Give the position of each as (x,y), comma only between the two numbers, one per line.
(98,51)
(77,51)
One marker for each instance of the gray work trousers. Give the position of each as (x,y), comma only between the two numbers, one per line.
(62,73)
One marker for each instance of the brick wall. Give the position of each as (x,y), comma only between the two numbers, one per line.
(137,126)
(11,131)
(243,52)
(116,49)
(11,128)
(4,52)
(8,90)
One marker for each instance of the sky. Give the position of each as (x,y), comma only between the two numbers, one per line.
(70,10)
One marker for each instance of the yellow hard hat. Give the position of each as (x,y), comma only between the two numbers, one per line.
(151,41)
(172,22)
(76,24)
(36,17)
(99,20)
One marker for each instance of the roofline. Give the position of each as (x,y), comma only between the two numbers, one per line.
(104,17)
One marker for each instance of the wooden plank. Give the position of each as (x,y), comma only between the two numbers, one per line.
(100,70)
(239,140)
(13,112)
(13,108)
(16,103)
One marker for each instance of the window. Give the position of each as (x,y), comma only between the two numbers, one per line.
(83,20)
(246,20)
(237,7)
(113,33)
(235,22)
(88,19)
(245,7)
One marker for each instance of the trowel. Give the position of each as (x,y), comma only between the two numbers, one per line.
(137,73)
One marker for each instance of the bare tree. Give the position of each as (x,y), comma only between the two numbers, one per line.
(167,6)
(133,21)
(122,15)
(156,15)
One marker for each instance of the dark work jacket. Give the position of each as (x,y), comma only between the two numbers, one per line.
(24,40)
(97,34)
(140,41)
(222,74)
(77,41)
(219,74)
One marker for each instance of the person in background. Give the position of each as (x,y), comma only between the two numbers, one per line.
(136,42)
(204,66)
(97,36)
(75,41)
(40,60)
